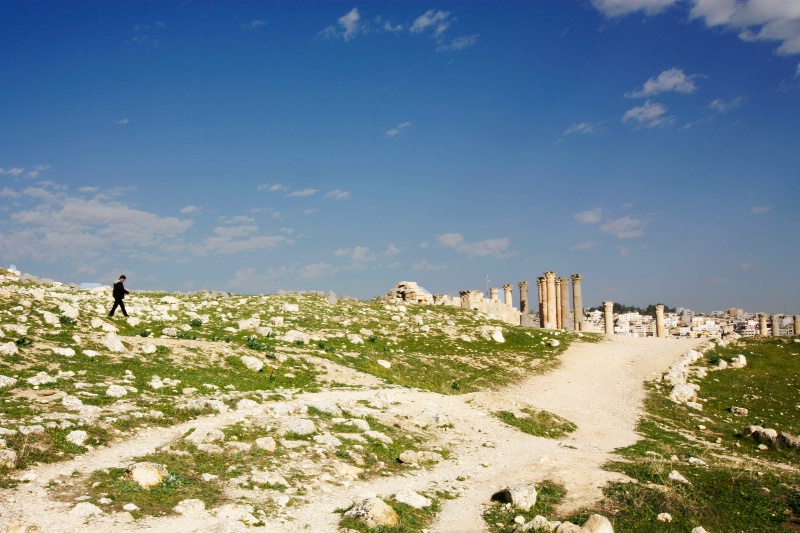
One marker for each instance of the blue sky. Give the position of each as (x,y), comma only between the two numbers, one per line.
(651,145)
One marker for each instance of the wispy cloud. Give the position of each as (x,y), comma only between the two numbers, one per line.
(397,130)
(625,227)
(253,24)
(425,266)
(347,27)
(587,245)
(338,194)
(275,187)
(437,21)
(720,105)
(16,171)
(357,254)
(672,80)
(317,270)
(748,267)
(649,115)
(122,121)
(458,44)
(304,192)
(489,247)
(759,209)
(230,240)
(190,209)
(590,216)
(754,20)
(585,128)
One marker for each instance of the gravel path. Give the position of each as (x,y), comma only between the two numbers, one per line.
(599,387)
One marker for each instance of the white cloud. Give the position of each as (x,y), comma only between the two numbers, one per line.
(616,8)
(226,242)
(253,24)
(317,270)
(272,188)
(721,105)
(672,80)
(748,267)
(397,130)
(590,216)
(755,20)
(349,26)
(16,171)
(438,21)
(649,115)
(338,194)
(588,245)
(189,209)
(585,128)
(425,266)
(358,254)
(391,250)
(758,209)
(476,249)
(625,227)
(304,192)
(122,122)
(459,43)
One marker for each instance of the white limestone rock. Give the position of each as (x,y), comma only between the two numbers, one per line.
(248,324)
(373,512)
(290,308)
(147,475)
(113,343)
(253,363)
(77,437)
(85,510)
(245,404)
(522,496)
(116,391)
(301,426)
(6,381)
(267,443)
(190,507)
(384,364)
(148,348)
(597,524)
(676,476)
(415,500)
(8,458)
(9,348)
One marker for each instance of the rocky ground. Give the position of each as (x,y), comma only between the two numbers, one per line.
(279,413)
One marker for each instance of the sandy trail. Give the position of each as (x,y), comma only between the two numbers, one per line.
(599,387)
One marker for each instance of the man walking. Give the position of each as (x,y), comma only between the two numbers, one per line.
(119,294)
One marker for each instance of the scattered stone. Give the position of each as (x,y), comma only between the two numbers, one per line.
(301,426)
(113,343)
(384,364)
(116,391)
(522,496)
(266,443)
(676,476)
(6,381)
(85,510)
(409,457)
(64,352)
(664,517)
(597,524)
(699,529)
(739,361)
(377,435)
(190,507)
(130,507)
(147,475)
(740,411)
(554,342)
(77,437)
(245,404)
(373,512)
(415,500)
(8,458)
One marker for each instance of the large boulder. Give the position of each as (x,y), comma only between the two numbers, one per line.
(522,495)
(147,475)
(373,512)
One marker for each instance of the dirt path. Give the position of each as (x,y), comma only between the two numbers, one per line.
(598,387)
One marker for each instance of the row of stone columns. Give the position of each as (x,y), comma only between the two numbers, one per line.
(554,300)
(776,325)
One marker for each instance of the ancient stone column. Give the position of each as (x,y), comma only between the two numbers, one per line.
(523,296)
(542,308)
(776,325)
(797,325)
(559,315)
(507,295)
(762,324)
(577,301)
(564,303)
(493,294)
(550,280)
(660,329)
(608,309)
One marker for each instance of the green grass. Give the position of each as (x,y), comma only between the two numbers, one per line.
(743,488)
(410,520)
(538,423)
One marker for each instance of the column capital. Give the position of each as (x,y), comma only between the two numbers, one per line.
(523,284)
(563,281)
(576,277)
(660,307)
(507,287)
(608,305)
(549,275)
